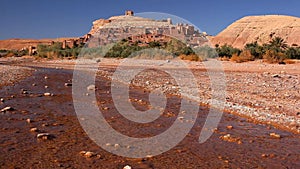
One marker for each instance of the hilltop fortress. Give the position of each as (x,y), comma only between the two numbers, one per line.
(143,30)
(130,27)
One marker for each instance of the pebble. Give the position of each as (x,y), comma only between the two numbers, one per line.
(28,120)
(6,109)
(2,100)
(274,135)
(45,125)
(276,76)
(87,154)
(44,136)
(33,84)
(127,167)
(34,129)
(46,87)
(68,84)
(91,87)
(48,94)
(46,77)
(98,60)
(229,127)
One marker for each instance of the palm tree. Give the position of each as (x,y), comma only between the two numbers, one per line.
(278,44)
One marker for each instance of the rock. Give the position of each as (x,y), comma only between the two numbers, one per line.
(47,94)
(276,76)
(229,127)
(98,60)
(34,129)
(6,109)
(127,167)
(229,138)
(33,84)
(87,154)
(180,118)
(264,155)
(44,136)
(68,84)
(46,87)
(91,87)
(28,120)
(274,135)
(45,125)
(46,77)
(2,100)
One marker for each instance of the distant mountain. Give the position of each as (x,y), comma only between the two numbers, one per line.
(261,29)
(18,44)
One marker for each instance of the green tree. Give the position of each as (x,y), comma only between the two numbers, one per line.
(255,49)
(277,44)
(293,53)
(227,51)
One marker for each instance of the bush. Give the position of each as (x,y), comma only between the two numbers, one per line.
(206,52)
(227,51)
(13,53)
(245,56)
(255,49)
(56,51)
(272,56)
(124,49)
(293,53)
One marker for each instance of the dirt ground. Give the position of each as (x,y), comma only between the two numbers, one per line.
(248,145)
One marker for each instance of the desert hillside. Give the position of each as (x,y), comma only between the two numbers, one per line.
(261,29)
(18,44)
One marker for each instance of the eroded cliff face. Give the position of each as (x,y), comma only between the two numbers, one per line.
(261,29)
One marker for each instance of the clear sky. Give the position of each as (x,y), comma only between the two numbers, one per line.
(72,18)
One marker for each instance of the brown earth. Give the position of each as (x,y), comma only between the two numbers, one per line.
(261,29)
(238,142)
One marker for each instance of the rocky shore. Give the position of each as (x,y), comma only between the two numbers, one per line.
(266,93)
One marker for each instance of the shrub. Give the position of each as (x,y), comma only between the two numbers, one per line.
(227,51)
(245,56)
(124,49)
(293,53)
(206,52)
(272,56)
(56,51)
(255,49)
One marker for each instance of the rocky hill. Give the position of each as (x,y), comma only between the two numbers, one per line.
(261,29)
(119,27)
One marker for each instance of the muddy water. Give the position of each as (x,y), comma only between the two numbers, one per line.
(56,115)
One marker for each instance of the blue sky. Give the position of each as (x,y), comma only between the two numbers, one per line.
(71,18)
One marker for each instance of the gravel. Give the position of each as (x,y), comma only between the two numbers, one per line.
(12,74)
